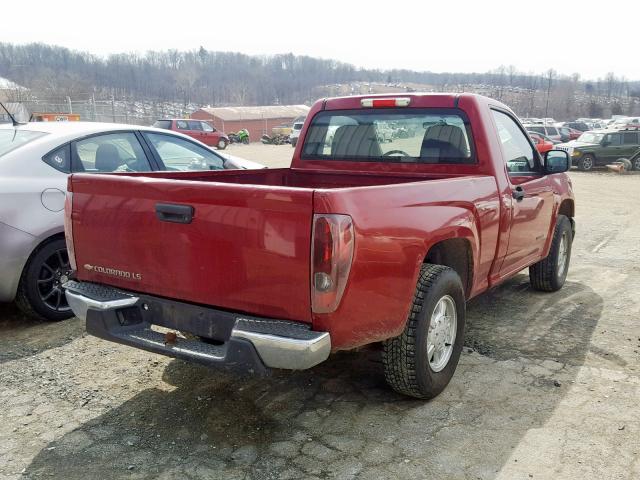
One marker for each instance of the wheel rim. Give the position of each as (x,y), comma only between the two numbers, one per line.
(221,144)
(442,333)
(54,272)
(563,253)
(636,164)
(587,163)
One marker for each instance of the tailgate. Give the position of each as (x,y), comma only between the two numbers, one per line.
(246,248)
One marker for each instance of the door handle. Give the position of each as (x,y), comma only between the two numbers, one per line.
(518,193)
(170,212)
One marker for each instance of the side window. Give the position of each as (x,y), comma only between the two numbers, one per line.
(516,148)
(182,125)
(180,154)
(206,127)
(630,138)
(614,139)
(193,125)
(112,152)
(60,159)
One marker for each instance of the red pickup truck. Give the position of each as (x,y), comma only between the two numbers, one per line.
(359,242)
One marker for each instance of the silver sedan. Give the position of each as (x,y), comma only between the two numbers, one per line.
(35,161)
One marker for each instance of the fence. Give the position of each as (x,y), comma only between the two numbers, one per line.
(115,111)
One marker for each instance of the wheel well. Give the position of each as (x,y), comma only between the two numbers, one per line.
(455,253)
(37,248)
(567,208)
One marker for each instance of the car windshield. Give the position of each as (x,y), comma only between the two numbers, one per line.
(590,137)
(10,139)
(297,126)
(390,135)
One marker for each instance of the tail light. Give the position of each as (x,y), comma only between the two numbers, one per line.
(331,255)
(68,229)
(385,102)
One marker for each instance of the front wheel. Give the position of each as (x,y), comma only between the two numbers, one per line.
(635,164)
(586,163)
(222,144)
(549,274)
(40,294)
(421,361)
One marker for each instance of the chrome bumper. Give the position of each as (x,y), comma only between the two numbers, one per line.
(249,342)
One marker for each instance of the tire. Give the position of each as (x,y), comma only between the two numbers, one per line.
(586,163)
(293,142)
(407,366)
(549,274)
(46,270)
(635,164)
(222,144)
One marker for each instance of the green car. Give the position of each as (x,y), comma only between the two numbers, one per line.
(600,147)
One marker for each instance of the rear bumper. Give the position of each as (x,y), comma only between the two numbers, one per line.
(217,337)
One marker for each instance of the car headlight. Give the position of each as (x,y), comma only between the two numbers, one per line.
(576,153)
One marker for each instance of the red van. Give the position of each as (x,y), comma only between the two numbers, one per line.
(198,129)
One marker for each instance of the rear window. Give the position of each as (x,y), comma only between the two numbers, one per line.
(11,139)
(166,124)
(393,135)
(297,126)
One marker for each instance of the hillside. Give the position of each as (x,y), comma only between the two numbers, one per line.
(128,84)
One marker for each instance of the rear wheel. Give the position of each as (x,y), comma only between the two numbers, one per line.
(421,361)
(549,275)
(40,294)
(586,163)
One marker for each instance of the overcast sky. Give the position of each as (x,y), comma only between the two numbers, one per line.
(590,38)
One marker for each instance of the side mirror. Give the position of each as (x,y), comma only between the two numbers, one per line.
(605,143)
(556,161)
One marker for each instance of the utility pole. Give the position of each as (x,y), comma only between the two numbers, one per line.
(550,74)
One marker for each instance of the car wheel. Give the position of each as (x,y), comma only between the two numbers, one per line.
(635,163)
(586,163)
(549,274)
(293,142)
(40,294)
(222,144)
(421,361)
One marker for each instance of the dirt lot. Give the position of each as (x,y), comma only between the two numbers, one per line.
(548,387)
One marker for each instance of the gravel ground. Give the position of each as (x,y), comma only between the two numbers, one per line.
(547,387)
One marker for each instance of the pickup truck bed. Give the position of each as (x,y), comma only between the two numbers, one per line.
(247,245)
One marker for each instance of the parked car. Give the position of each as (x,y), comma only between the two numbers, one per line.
(542,142)
(548,130)
(295,132)
(574,134)
(198,129)
(35,162)
(601,147)
(629,123)
(582,126)
(357,243)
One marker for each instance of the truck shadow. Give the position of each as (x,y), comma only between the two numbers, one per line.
(340,419)
(23,336)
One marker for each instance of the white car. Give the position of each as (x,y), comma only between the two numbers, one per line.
(35,161)
(295,132)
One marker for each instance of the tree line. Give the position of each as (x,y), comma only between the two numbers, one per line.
(207,77)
